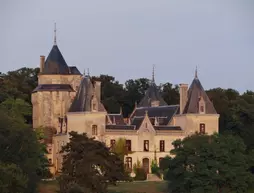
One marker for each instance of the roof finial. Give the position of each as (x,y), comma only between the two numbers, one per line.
(196,72)
(88,72)
(55,35)
(153,74)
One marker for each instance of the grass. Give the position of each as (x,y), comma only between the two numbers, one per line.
(139,187)
(123,187)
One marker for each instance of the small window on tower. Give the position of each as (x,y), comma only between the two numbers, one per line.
(202,109)
(94,106)
(202,128)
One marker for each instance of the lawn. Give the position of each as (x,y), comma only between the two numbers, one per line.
(123,187)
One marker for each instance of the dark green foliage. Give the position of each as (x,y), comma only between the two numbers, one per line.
(155,169)
(89,164)
(12,179)
(140,174)
(164,165)
(19,146)
(208,164)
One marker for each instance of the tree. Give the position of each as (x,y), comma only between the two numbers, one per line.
(19,146)
(170,94)
(112,93)
(216,163)
(89,164)
(12,179)
(17,108)
(120,148)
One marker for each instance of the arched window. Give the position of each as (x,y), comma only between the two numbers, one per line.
(94,129)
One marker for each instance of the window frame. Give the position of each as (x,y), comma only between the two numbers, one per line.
(162,145)
(94,130)
(128,144)
(128,163)
(202,128)
(146,142)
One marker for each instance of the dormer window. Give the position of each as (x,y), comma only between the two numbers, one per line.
(94,104)
(155,103)
(201,105)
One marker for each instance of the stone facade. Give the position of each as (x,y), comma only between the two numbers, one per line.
(67,101)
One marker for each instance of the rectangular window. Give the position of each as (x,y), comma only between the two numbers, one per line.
(146,145)
(128,145)
(202,128)
(94,130)
(128,163)
(112,142)
(162,145)
(202,109)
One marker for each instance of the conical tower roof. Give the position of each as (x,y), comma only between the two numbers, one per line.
(55,63)
(84,96)
(195,92)
(152,94)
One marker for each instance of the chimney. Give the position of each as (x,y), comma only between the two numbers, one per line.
(183,96)
(42,61)
(97,87)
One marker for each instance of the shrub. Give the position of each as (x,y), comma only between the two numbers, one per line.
(140,174)
(155,169)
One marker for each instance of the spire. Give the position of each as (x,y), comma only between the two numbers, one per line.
(153,74)
(196,72)
(88,72)
(55,35)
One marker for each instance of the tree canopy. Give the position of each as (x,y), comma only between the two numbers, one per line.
(89,164)
(208,164)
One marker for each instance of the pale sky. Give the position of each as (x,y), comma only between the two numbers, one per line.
(124,38)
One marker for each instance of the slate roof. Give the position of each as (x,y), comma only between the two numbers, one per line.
(118,118)
(152,94)
(83,98)
(194,93)
(54,87)
(74,70)
(164,113)
(120,127)
(55,63)
(137,121)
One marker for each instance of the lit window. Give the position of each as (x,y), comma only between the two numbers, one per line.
(202,128)
(162,145)
(94,130)
(146,145)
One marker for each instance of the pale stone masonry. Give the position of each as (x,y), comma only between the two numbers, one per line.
(65,101)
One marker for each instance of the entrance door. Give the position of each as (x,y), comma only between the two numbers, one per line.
(146,165)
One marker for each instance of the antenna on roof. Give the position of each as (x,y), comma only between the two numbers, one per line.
(55,35)
(153,74)
(84,73)
(196,72)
